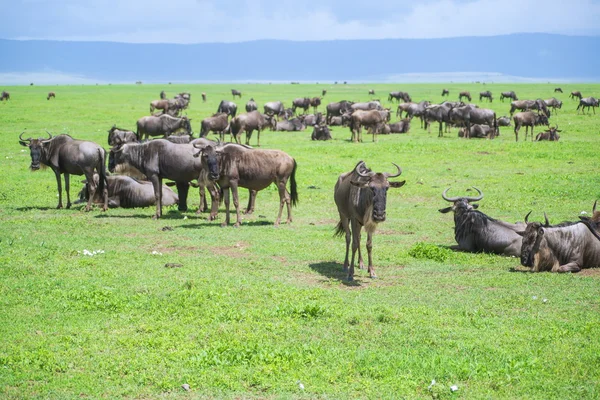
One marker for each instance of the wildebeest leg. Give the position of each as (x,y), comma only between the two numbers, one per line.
(182,191)
(517,127)
(248,136)
(570,267)
(345,224)
(284,198)
(356,227)
(59,184)
(214,201)
(369,248)
(258,138)
(236,203)
(226,201)
(67,189)
(157,185)
(251,201)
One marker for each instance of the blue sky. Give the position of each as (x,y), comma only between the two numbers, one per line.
(196,21)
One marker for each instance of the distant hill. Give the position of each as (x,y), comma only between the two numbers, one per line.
(521,56)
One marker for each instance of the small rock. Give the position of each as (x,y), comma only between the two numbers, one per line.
(545,300)
(167,228)
(454,388)
(186,387)
(173,265)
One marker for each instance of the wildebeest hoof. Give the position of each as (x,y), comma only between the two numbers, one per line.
(350,279)
(373,277)
(223,224)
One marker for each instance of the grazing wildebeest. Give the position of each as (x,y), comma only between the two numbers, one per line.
(338,108)
(372,120)
(315,102)
(251,105)
(399,96)
(550,135)
(486,95)
(478,131)
(466,95)
(476,232)
(567,247)
(69,156)
(248,123)
(203,97)
(227,107)
(508,95)
(445,92)
(163,95)
(503,121)
(323,92)
(528,119)
(398,127)
(218,123)
(127,192)
(302,102)
(162,125)
(360,196)
(525,105)
(236,93)
(587,102)
(274,108)
(321,132)
(576,94)
(51,95)
(471,115)
(559,90)
(255,169)
(118,136)
(553,103)
(371,92)
(4,96)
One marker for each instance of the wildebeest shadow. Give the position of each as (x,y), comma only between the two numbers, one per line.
(39,208)
(333,270)
(523,271)
(166,216)
(217,224)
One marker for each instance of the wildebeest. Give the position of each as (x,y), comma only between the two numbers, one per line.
(471,115)
(274,108)
(371,119)
(4,96)
(321,132)
(218,123)
(594,220)
(576,94)
(587,102)
(289,125)
(163,95)
(476,232)
(338,108)
(417,110)
(466,95)
(525,105)
(559,90)
(255,169)
(302,102)
(402,126)
(236,93)
(486,95)
(371,92)
(69,156)
(508,95)
(528,119)
(51,95)
(313,119)
(565,247)
(118,136)
(360,196)
(203,97)
(553,103)
(369,105)
(551,135)
(127,192)
(162,125)
(252,121)
(437,113)
(445,92)
(342,120)
(251,105)
(323,92)
(478,131)
(399,96)
(503,121)
(227,107)
(315,102)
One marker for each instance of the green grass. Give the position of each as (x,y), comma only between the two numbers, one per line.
(254,310)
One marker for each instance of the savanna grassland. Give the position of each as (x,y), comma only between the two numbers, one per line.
(259,311)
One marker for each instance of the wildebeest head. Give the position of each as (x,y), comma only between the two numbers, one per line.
(541,119)
(378,183)
(36,149)
(461,204)
(533,235)
(186,124)
(210,160)
(594,219)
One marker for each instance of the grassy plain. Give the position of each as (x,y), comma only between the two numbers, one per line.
(255,311)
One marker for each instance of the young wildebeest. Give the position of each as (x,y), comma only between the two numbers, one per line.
(236,93)
(4,96)
(550,135)
(558,90)
(445,92)
(315,102)
(466,95)
(162,125)
(323,92)
(68,156)
(51,95)
(203,97)
(118,136)
(576,94)
(587,103)
(476,232)
(528,119)
(163,95)
(360,196)
(218,123)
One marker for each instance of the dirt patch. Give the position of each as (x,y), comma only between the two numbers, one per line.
(238,250)
(483,152)
(595,272)
(332,222)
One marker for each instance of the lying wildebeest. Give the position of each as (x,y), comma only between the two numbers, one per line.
(576,94)
(162,125)
(558,90)
(127,192)
(248,123)
(476,232)
(4,96)
(312,119)
(69,156)
(360,196)
(486,95)
(236,93)
(504,121)
(445,92)
(371,91)
(553,103)
(51,95)
(274,108)
(292,125)
(594,220)
(565,247)
(528,119)
(550,135)
(372,120)
(302,102)
(315,102)
(466,95)
(251,105)
(163,95)
(342,120)
(587,102)
(232,166)
(526,105)
(508,95)
(399,96)
(471,115)
(203,97)
(478,131)
(218,123)
(321,132)
(118,136)
(227,107)
(402,126)
(338,108)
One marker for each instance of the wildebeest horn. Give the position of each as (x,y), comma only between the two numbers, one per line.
(527,217)
(594,208)
(49,134)
(450,199)
(357,169)
(29,140)
(475,198)
(546,222)
(388,175)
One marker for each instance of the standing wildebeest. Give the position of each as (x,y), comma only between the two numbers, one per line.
(4,96)
(321,132)
(203,97)
(51,95)
(478,131)
(218,123)
(68,156)
(360,196)
(162,125)
(437,113)
(553,103)
(371,92)
(445,92)
(587,102)
(255,169)
(525,105)
(251,105)
(372,120)
(575,94)
(402,126)
(323,92)
(466,95)
(558,90)
(248,123)
(315,102)
(337,109)
(562,248)
(417,110)
(487,95)
(471,115)
(370,105)
(236,93)
(399,96)
(508,95)
(227,107)
(274,108)
(302,102)
(163,95)
(550,135)
(476,232)
(528,119)
(118,136)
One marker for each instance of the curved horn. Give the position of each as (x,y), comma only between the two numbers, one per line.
(594,209)
(527,217)
(49,134)
(475,198)
(388,175)
(546,222)
(29,140)
(450,199)
(357,169)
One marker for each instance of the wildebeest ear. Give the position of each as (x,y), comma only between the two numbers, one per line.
(360,184)
(445,210)
(397,184)
(24,143)
(475,205)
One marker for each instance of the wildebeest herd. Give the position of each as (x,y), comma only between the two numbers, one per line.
(221,168)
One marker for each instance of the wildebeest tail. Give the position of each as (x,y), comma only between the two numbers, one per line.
(339,229)
(293,186)
(103,182)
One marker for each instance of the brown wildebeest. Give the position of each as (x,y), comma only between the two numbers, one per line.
(302,102)
(360,196)
(550,135)
(525,105)
(51,95)
(478,131)
(486,95)
(118,136)
(466,95)
(402,126)
(159,105)
(68,156)
(4,96)
(163,95)
(529,119)
(315,102)
(255,169)
(236,93)
(203,97)
(445,92)
(508,95)
(163,125)
(372,120)
(594,220)
(218,123)
(249,122)
(559,90)
(576,94)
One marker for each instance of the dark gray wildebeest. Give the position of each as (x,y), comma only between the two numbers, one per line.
(227,107)
(417,110)
(274,108)
(403,108)
(559,90)
(315,102)
(157,160)
(567,247)
(526,105)
(342,120)
(365,106)
(399,96)
(508,95)
(338,108)
(292,125)
(587,102)
(252,121)
(203,97)
(471,115)
(372,120)
(437,113)
(486,95)
(466,95)
(576,94)
(528,119)
(551,135)
(51,95)
(118,136)
(236,93)
(162,125)
(163,95)
(371,92)
(127,192)
(553,103)
(301,102)
(594,220)
(251,105)
(402,126)
(234,166)
(445,92)
(69,156)
(218,124)
(321,132)
(312,119)
(323,92)
(478,131)
(476,232)
(361,197)
(503,121)
(4,96)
